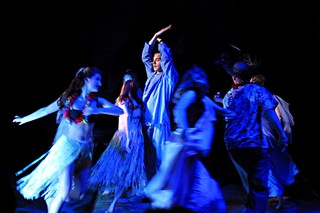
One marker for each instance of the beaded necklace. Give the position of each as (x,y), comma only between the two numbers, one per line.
(69,102)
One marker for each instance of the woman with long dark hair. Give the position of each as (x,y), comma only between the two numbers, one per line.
(121,166)
(71,153)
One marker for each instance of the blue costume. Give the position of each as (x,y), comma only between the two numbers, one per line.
(157,95)
(182,179)
(282,168)
(245,141)
(43,180)
(117,167)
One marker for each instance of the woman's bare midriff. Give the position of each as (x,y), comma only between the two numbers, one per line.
(82,132)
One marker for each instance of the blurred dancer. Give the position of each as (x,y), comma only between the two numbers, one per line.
(183,180)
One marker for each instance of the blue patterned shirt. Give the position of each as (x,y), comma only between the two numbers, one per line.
(248,102)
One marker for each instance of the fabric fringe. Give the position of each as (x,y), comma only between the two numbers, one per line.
(116,166)
(43,180)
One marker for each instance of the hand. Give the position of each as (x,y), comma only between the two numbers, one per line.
(227,113)
(17,119)
(217,98)
(90,110)
(163,30)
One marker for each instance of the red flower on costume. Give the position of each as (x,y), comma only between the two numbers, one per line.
(69,102)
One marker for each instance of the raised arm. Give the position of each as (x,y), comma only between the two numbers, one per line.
(157,34)
(147,55)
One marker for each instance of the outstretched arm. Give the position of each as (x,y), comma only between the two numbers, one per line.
(220,110)
(53,107)
(107,108)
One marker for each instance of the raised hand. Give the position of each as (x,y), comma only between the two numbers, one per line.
(163,30)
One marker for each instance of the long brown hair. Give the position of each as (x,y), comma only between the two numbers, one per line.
(129,91)
(75,87)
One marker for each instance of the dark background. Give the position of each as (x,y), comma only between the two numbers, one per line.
(45,43)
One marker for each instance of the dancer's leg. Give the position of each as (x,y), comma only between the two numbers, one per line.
(65,182)
(117,194)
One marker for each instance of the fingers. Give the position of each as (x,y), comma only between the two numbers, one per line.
(17,119)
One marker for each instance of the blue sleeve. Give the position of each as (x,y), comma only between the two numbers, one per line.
(147,58)
(167,64)
(266,99)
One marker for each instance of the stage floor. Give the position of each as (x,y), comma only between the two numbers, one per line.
(299,198)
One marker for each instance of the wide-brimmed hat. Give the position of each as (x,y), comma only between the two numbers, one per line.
(238,63)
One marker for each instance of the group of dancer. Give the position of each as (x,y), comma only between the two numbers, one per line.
(150,155)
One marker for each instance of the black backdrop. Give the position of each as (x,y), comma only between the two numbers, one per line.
(45,43)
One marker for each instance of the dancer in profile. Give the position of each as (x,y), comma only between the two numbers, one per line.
(121,166)
(71,153)
(162,78)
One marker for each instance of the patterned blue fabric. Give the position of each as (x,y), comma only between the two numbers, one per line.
(243,130)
